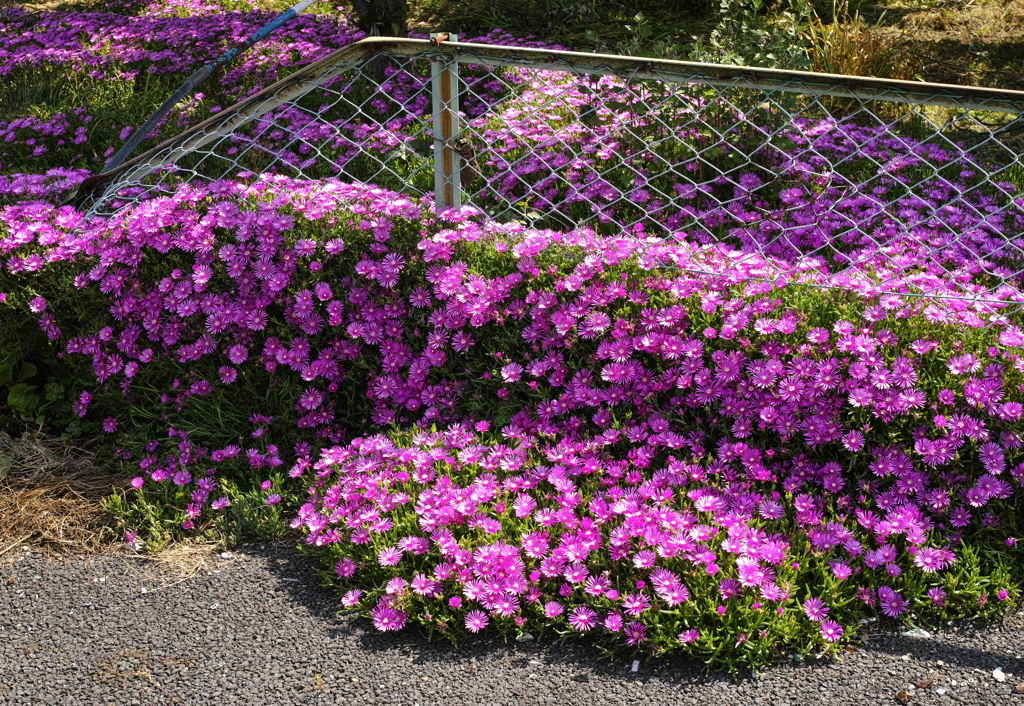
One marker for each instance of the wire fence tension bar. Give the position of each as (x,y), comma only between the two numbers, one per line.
(445,104)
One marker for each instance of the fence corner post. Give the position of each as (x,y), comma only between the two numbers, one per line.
(444,95)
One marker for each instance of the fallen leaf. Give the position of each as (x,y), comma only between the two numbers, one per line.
(10,581)
(925,683)
(903,696)
(1019,689)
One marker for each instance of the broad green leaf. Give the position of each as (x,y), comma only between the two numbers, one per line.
(27,371)
(22,398)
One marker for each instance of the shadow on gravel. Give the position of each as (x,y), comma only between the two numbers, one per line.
(583,661)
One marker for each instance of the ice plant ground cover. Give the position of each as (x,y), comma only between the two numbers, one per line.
(482,424)
(719,442)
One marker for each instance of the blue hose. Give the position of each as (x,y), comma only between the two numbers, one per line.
(193,82)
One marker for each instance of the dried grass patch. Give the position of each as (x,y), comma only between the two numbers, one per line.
(51,497)
(185,559)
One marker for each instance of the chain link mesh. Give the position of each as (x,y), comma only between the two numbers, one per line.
(886,187)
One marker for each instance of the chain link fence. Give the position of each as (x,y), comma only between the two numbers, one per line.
(887,187)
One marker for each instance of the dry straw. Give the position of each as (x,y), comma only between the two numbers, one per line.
(51,497)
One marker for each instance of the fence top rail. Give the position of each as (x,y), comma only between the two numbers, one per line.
(625,67)
(643,68)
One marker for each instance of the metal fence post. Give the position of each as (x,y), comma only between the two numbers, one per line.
(445,100)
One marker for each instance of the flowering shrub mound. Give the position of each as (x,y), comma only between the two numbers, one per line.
(552,430)
(792,412)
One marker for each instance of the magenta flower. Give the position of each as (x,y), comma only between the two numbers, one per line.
(582,619)
(345,568)
(891,602)
(689,636)
(396,585)
(815,609)
(385,618)
(476,620)
(511,372)
(310,399)
(636,632)
(552,609)
(841,570)
(227,374)
(831,630)
(613,622)
(389,556)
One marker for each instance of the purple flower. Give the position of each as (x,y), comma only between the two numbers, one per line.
(310,399)
(385,618)
(891,602)
(511,372)
(345,568)
(389,556)
(831,630)
(613,622)
(582,619)
(841,570)
(273,499)
(396,586)
(867,595)
(689,636)
(476,620)
(636,632)
(552,609)
(815,609)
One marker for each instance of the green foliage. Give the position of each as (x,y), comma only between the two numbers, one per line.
(744,36)
(641,40)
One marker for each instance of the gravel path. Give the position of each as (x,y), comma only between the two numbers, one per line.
(258,629)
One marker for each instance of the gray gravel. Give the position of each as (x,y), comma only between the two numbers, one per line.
(256,628)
